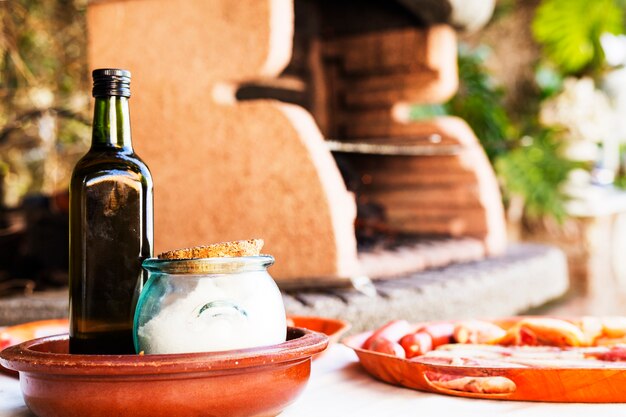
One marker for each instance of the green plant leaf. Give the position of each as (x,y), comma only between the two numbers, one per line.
(480,103)
(427,111)
(570,30)
(536,172)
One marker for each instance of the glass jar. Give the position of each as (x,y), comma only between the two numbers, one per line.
(209,304)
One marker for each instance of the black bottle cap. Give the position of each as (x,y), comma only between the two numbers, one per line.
(111,82)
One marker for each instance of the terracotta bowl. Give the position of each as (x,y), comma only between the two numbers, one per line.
(248,382)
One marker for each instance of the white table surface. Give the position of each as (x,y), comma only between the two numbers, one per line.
(340,387)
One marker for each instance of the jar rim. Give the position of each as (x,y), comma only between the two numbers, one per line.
(208,265)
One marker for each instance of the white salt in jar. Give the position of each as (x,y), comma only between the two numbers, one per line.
(209,304)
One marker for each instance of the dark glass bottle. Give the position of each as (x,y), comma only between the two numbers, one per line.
(111,225)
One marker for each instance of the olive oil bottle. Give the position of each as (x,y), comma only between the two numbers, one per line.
(111,225)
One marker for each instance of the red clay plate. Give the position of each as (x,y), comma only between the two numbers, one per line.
(333,328)
(553,384)
(14,335)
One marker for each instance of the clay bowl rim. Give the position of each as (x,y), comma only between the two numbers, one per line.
(301,344)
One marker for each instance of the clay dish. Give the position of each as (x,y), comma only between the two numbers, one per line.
(247,382)
(331,327)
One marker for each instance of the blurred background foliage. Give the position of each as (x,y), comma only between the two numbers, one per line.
(525,155)
(44,125)
(570,30)
(479,102)
(529,155)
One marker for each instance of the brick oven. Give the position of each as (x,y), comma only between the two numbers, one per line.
(290,122)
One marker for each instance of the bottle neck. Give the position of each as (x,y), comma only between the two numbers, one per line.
(111,124)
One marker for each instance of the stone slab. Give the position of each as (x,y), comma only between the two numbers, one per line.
(526,276)
(37,306)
